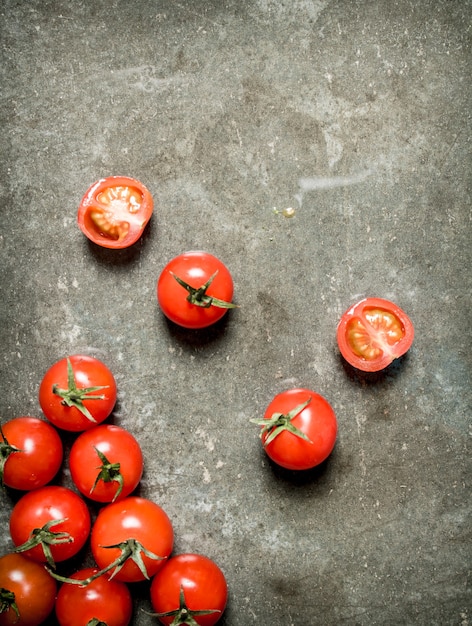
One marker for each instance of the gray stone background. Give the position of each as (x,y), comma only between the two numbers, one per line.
(356,113)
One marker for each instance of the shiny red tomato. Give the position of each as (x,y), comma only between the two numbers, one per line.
(27,591)
(195,290)
(77,393)
(31,453)
(299,429)
(189,586)
(373,333)
(50,524)
(105,600)
(114,211)
(106,463)
(145,531)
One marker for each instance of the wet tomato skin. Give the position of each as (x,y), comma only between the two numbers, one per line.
(115,211)
(373,333)
(39,456)
(103,599)
(34,590)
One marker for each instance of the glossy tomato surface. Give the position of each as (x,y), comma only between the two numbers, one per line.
(114,211)
(132,518)
(114,477)
(202,581)
(317,421)
(93,405)
(373,333)
(33,588)
(108,601)
(194,268)
(37,453)
(52,503)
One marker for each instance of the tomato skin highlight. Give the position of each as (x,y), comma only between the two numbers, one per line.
(40,506)
(317,421)
(88,372)
(132,518)
(106,600)
(203,583)
(40,453)
(372,333)
(34,589)
(119,446)
(194,268)
(115,211)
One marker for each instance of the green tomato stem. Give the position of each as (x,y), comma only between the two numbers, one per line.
(279,422)
(45,538)
(199,296)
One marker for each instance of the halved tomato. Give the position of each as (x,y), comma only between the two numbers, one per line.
(373,333)
(114,211)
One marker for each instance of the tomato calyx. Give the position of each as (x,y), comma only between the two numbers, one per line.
(183,615)
(96,622)
(109,472)
(199,296)
(130,549)
(279,422)
(74,397)
(46,538)
(8,601)
(5,450)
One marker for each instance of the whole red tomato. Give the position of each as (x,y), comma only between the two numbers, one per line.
(189,586)
(27,591)
(373,333)
(105,600)
(106,463)
(114,211)
(77,393)
(299,429)
(50,524)
(31,453)
(195,290)
(144,531)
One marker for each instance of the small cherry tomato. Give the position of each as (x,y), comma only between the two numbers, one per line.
(50,524)
(373,333)
(27,591)
(106,463)
(195,290)
(299,429)
(189,587)
(77,393)
(114,211)
(103,600)
(31,453)
(128,532)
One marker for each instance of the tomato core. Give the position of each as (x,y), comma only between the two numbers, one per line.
(374,335)
(120,204)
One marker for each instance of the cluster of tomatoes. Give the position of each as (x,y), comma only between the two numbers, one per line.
(131,539)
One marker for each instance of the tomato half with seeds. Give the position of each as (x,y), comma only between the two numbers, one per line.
(102,601)
(114,211)
(373,333)
(77,393)
(31,453)
(27,591)
(50,524)
(299,429)
(106,463)
(195,289)
(189,586)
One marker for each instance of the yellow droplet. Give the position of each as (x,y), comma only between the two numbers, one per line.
(288,212)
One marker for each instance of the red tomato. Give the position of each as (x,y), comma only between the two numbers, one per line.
(114,211)
(50,524)
(145,528)
(374,332)
(31,453)
(195,290)
(108,601)
(106,463)
(299,429)
(189,585)
(27,591)
(77,393)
